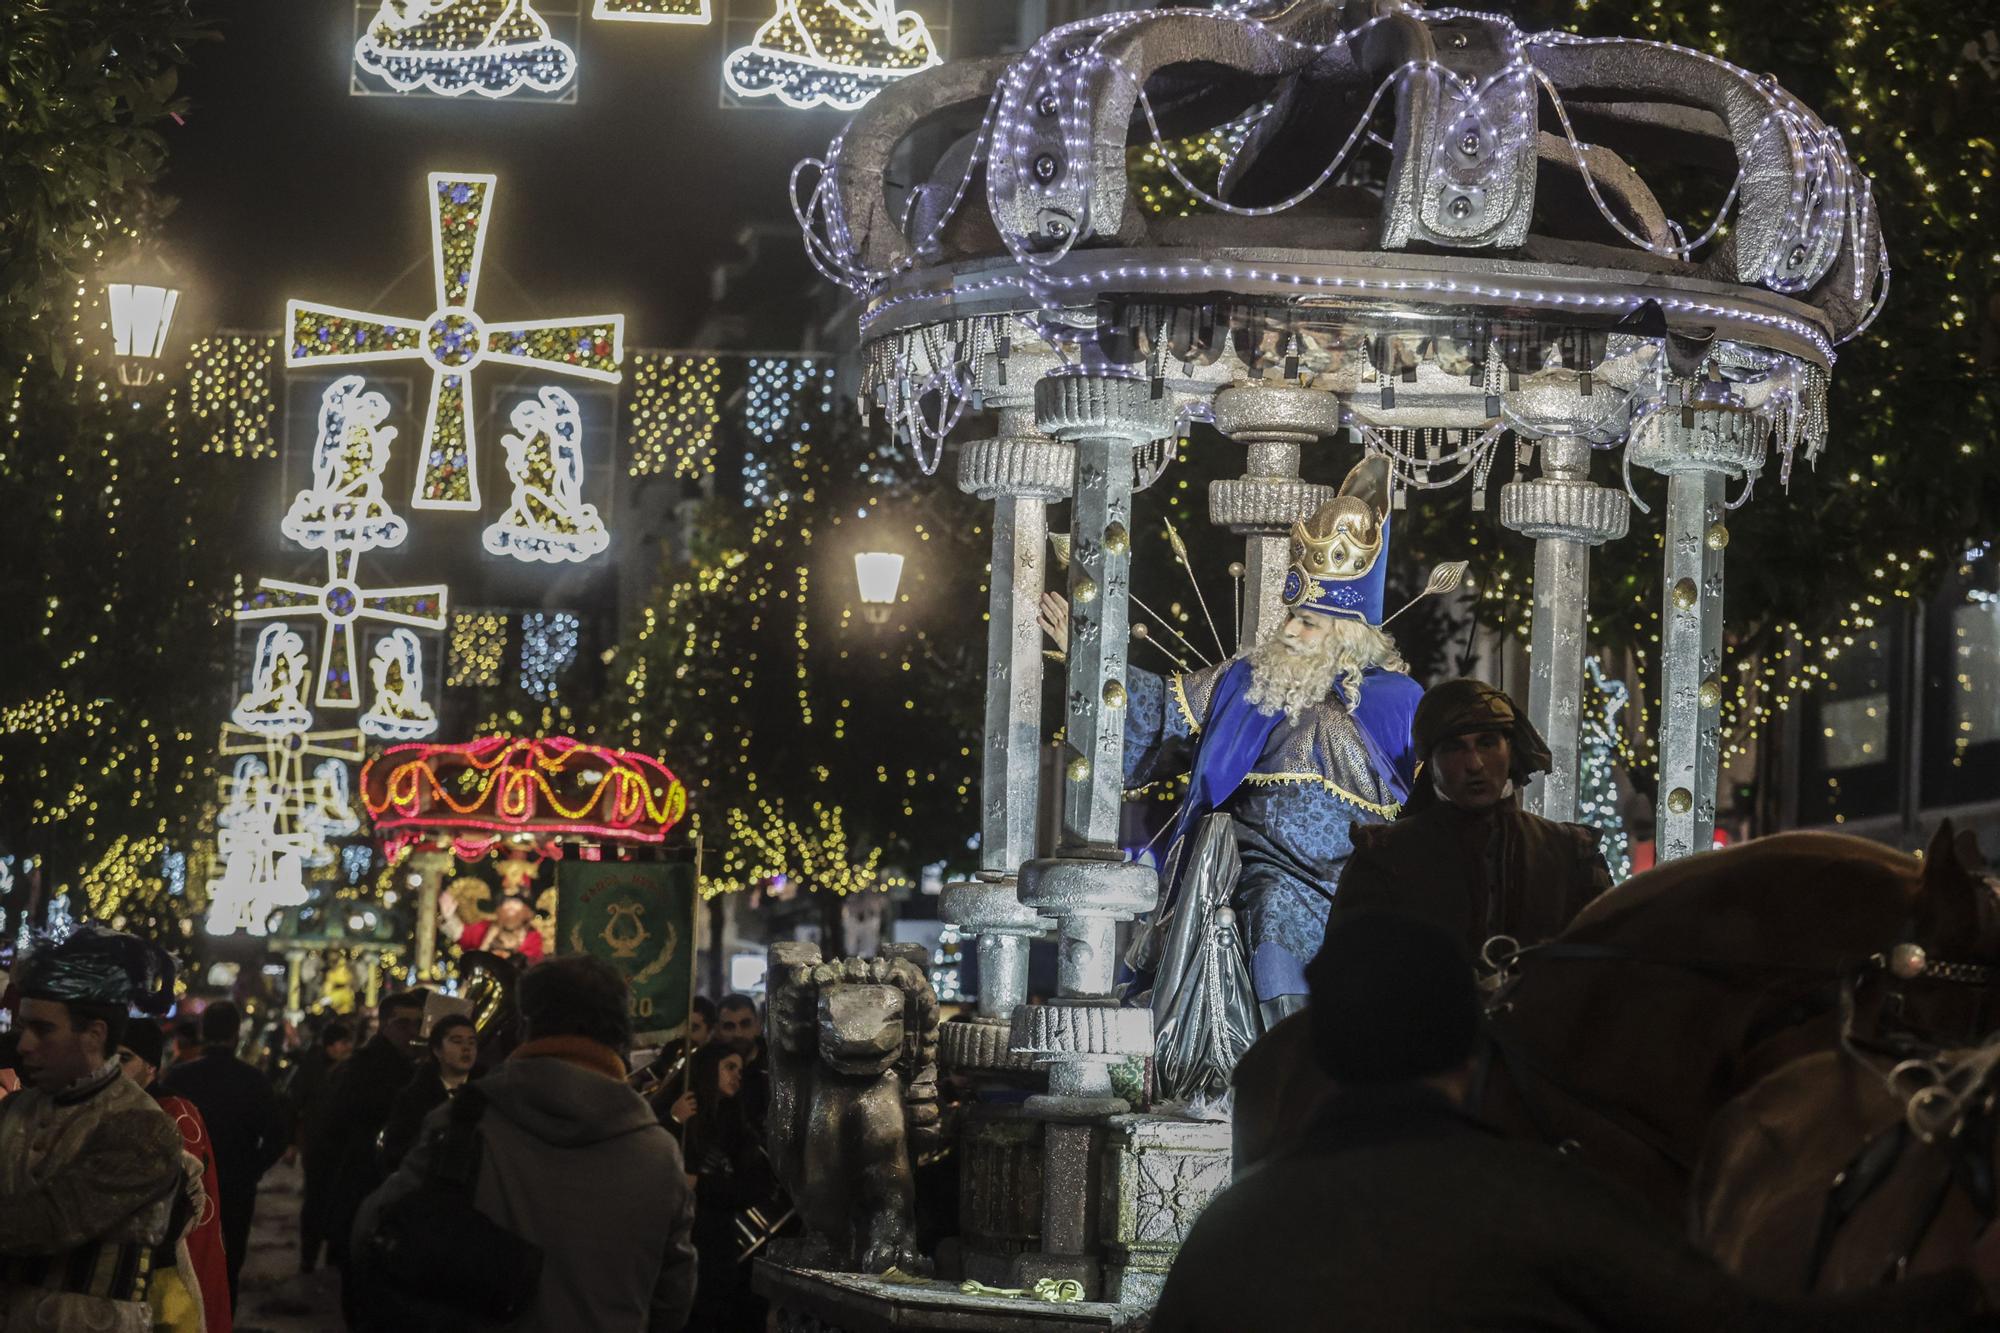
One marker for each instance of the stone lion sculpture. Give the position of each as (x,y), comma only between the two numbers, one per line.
(853,1100)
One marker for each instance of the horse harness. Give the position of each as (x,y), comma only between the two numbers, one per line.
(1950,1100)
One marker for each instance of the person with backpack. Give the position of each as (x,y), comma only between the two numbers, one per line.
(550,1180)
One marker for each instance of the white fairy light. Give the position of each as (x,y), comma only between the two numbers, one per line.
(398,711)
(548,646)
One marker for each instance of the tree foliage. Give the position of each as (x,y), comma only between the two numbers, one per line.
(112,567)
(836,753)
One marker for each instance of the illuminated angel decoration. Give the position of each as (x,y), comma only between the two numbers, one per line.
(243,792)
(262,864)
(329,810)
(836,53)
(548,519)
(449,47)
(274,705)
(399,712)
(344,507)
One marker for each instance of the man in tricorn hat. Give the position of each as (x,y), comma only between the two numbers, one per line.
(1463,854)
(89,1164)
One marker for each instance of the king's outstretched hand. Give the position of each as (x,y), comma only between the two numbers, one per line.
(1053,616)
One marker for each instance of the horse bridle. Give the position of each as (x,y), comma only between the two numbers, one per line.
(1944,1098)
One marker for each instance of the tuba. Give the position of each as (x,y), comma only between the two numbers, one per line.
(486,981)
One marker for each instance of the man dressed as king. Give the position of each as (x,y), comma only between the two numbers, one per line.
(1288,746)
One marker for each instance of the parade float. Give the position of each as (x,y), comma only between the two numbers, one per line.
(520,801)
(1435,240)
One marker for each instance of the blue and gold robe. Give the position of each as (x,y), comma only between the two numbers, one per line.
(1294,787)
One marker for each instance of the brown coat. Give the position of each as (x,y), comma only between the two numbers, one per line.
(87,1182)
(1441,864)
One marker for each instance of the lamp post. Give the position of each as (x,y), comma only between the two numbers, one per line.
(141,315)
(878,573)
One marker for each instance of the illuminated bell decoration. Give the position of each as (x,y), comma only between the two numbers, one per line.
(836,53)
(541,789)
(140,317)
(879,573)
(451,47)
(453,340)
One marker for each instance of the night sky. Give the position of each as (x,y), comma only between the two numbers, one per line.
(621,202)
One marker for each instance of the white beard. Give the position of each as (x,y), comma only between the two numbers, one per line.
(1287,678)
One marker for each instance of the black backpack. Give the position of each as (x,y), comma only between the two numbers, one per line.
(426,1243)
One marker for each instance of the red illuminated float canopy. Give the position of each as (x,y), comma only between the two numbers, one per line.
(546,789)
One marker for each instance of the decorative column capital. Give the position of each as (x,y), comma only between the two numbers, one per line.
(1253,506)
(1031,467)
(1276,412)
(1565,511)
(1074,407)
(1728,440)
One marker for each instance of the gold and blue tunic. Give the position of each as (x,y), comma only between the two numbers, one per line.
(1294,786)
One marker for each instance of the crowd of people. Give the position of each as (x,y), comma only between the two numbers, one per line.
(132,1148)
(567,1185)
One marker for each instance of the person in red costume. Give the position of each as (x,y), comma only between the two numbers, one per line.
(511,931)
(139,1060)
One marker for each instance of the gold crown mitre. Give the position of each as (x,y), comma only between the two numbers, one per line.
(1337,567)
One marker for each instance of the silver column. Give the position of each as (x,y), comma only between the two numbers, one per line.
(1566,515)
(1021,470)
(1275,421)
(1698,452)
(1089,887)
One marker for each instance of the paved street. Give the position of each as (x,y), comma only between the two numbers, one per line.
(276,1297)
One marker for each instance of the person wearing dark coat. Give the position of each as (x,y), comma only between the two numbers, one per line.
(360,1096)
(1400,1212)
(245,1122)
(454,1050)
(725,1154)
(1462,854)
(308,1089)
(572,1160)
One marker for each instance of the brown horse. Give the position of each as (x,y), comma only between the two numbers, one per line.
(1859,1164)
(1679,989)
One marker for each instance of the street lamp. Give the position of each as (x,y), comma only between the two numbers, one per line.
(878,573)
(140,317)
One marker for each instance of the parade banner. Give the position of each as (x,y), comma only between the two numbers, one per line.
(637,916)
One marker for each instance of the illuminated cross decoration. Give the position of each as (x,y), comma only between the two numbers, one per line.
(453,339)
(340,602)
(285,759)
